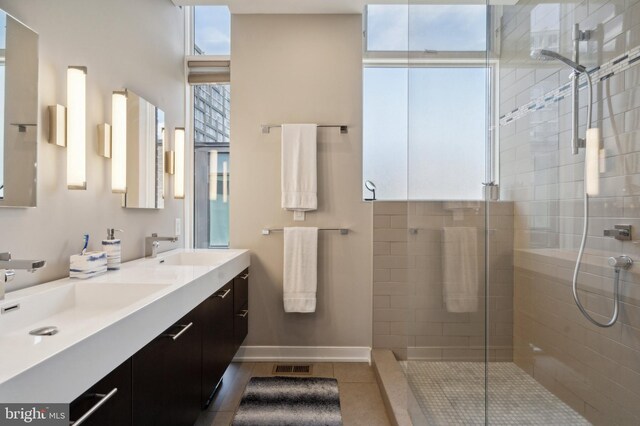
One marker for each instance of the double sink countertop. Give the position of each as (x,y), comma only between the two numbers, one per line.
(101,321)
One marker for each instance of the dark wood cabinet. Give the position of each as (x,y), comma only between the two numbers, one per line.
(108,402)
(240,308)
(218,345)
(166,376)
(170,380)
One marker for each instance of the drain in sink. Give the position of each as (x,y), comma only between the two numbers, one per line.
(44,331)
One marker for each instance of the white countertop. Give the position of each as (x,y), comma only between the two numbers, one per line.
(101,325)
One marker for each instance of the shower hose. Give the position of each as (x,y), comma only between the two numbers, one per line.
(616,283)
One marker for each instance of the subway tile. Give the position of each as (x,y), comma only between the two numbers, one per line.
(389,235)
(398,222)
(381,328)
(381,247)
(391,315)
(381,302)
(381,275)
(381,221)
(390,208)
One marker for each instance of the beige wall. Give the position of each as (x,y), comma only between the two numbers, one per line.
(137,45)
(301,68)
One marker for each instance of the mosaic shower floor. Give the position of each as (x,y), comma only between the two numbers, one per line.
(452,393)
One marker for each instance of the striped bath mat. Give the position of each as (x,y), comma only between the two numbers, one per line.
(300,401)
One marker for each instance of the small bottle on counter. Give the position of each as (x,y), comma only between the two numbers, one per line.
(113,247)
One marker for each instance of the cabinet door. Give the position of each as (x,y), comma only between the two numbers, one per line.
(217,339)
(240,308)
(166,376)
(108,402)
(183,370)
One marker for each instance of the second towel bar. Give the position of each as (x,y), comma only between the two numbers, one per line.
(343,231)
(266,128)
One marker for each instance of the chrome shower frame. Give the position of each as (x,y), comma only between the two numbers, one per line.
(576,141)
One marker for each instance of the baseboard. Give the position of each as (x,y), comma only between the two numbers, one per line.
(304,354)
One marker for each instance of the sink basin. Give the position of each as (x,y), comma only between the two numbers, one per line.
(70,305)
(199,258)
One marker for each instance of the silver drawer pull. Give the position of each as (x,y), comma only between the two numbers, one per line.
(103,399)
(243,313)
(181,332)
(225,294)
(245,276)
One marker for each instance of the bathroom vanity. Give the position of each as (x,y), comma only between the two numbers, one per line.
(144,345)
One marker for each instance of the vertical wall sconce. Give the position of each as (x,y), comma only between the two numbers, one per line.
(213,175)
(119,142)
(58,125)
(104,140)
(76,127)
(178,180)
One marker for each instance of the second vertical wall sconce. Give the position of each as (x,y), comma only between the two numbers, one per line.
(119,142)
(178,191)
(76,127)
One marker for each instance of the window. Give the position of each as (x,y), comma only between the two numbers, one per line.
(211,132)
(426,27)
(425,134)
(212,29)
(211,162)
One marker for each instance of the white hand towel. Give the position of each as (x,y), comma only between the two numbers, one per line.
(300,269)
(460,269)
(299,167)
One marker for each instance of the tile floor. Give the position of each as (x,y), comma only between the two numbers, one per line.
(360,399)
(453,393)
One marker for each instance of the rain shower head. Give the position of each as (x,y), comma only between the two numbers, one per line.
(547,55)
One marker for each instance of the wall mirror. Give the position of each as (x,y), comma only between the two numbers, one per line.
(18,113)
(145,154)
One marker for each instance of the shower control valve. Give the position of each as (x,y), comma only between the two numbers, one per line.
(619,232)
(620,262)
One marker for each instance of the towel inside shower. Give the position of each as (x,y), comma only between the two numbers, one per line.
(460,269)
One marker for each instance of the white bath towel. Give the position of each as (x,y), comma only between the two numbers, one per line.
(299,167)
(460,269)
(300,269)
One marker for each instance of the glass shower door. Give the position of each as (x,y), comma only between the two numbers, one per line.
(449,158)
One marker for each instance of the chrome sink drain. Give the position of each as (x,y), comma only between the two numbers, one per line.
(44,331)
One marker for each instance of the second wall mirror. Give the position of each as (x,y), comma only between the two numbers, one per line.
(145,154)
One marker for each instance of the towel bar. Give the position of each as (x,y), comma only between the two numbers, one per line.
(343,231)
(266,128)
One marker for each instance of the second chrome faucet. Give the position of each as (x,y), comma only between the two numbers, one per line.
(152,243)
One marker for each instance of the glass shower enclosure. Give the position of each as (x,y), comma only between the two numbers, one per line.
(475,131)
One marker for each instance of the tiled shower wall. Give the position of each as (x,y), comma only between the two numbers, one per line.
(596,371)
(410,316)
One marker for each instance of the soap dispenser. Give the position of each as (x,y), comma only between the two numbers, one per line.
(113,248)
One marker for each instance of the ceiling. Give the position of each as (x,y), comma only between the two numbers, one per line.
(283,6)
(314,6)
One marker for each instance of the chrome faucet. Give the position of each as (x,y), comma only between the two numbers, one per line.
(9,265)
(152,243)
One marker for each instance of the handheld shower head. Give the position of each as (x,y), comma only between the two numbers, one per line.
(548,55)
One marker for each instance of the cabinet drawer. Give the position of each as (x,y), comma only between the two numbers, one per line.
(241,325)
(108,402)
(240,290)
